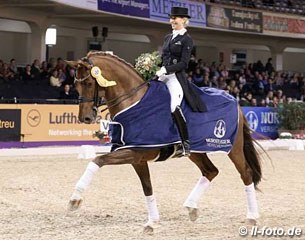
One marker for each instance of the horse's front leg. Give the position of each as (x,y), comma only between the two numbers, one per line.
(125,156)
(151,203)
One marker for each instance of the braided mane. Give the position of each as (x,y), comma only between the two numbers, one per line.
(101,53)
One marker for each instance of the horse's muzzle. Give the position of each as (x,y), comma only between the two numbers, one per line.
(85,119)
(89,118)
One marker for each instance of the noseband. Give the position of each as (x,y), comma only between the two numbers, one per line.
(98,101)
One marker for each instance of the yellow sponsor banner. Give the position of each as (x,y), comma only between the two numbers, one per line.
(52,122)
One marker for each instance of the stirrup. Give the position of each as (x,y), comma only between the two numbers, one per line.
(183,150)
(186,148)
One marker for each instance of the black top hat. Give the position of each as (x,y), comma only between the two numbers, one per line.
(179,12)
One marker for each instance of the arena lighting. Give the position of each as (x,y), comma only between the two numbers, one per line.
(51,36)
(50,39)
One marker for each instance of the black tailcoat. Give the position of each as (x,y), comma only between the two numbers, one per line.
(176,55)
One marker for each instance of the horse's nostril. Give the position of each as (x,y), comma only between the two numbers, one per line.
(87,120)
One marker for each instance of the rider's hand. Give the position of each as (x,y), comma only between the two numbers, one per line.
(161,72)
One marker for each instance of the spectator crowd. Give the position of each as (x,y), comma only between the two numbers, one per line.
(39,80)
(254,84)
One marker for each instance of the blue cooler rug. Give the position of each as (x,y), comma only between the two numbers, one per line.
(149,123)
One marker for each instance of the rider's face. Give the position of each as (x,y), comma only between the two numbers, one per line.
(177,23)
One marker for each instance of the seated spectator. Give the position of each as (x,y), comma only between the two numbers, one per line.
(6,74)
(197,78)
(246,99)
(35,70)
(253,102)
(192,64)
(13,68)
(213,82)
(61,75)
(60,64)
(27,76)
(51,63)
(262,103)
(204,67)
(258,86)
(269,98)
(221,83)
(242,78)
(279,80)
(235,93)
(67,93)
(292,88)
(54,80)
(70,76)
(275,102)
(206,80)
(44,71)
(224,72)
(270,86)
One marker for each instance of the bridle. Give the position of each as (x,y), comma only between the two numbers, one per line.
(98,101)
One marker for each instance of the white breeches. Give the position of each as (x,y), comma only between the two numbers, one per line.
(174,88)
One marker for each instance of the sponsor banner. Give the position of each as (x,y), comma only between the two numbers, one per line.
(262,120)
(136,8)
(10,125)
(234,19)
(159,10)
(279,24)
(55,123)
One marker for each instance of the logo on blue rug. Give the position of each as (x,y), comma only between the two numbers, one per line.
(220,129)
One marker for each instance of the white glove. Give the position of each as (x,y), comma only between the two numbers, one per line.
(162,78)
(161,72)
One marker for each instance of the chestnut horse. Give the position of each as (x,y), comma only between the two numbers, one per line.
(124,89)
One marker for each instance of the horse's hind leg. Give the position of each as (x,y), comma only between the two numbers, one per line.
(151,203)
(245,172)
(246,161)
(209,172)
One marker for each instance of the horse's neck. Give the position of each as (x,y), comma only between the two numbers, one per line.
(125,91)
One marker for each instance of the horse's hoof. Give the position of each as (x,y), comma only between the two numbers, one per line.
(148,230)
(75,204)
(193,213)
(251,222)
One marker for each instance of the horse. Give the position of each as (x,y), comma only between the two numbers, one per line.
(100,78)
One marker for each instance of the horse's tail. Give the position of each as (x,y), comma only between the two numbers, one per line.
(251,154)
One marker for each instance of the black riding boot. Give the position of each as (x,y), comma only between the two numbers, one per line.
(181,124)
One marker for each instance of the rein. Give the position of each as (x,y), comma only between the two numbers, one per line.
(115,101)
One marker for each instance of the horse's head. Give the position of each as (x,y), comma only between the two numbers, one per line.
(85,84)
(92,85)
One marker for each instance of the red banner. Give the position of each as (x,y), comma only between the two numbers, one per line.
(282,24)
